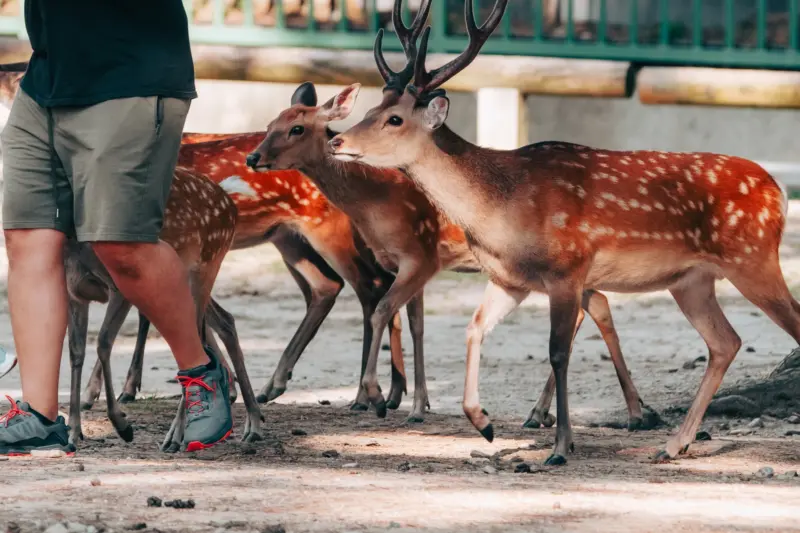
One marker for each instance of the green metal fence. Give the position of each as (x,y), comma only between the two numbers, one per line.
(729,33)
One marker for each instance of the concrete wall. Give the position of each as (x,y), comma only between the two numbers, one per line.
(763,135)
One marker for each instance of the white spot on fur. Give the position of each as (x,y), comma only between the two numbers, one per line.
(743,188)
(712,176)
(235,184)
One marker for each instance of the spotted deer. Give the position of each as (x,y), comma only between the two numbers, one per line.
(408,234)
(578,217)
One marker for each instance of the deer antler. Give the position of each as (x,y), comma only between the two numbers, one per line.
(426,82)
(408,38)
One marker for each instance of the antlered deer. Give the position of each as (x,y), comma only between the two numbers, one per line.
(578,218)
(407,233)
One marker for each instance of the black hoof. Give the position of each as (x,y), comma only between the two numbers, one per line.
(702,435)
(556,460)
(289,375)
(488,432)
(684,450)
(393,405)
(531,424)
(262,398)
(172,447)
(415,420)
(86,406)
(275,393)
(126,434)
(661,457)
(359,407)
(380,409)
(126,398)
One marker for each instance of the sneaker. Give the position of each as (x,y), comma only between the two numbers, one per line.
(22,432)
(208,410)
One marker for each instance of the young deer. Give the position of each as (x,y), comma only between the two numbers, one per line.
(405,230)
(577,218)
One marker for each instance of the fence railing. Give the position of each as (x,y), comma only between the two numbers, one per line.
(726,33)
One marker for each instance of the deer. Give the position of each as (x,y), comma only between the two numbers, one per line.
(407,232)
(579,217)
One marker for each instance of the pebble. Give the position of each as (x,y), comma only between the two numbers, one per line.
(56,528)
(742,431)
(689,365)
(137,526)
(477,454)
(404,467)
(516,459)
(794,419)
(489,470)
(522,468)
(750,349)
(91,529)
(299,432)
(275,528)
(180,504)
(79,467)
(330,454)
(95,483)
(765,472)
(154,501)
(350,465)
(48,453)
(477,461)
(791,474)
(702,435)
(792,432)
(324,402)
(74,527)
(756,423)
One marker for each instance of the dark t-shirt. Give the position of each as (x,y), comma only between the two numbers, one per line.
(89,51)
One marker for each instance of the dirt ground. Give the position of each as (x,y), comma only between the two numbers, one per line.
(389,475)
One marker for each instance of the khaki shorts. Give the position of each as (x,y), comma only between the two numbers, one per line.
(99,173)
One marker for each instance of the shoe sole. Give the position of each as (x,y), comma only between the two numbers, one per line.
(195,446)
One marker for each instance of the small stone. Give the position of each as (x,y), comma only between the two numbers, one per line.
(48,454)
(154,501)
(324,402)
(477,461)
(750,349)
(138,526)
(792,432)
(756,423)
(386,347)
(522,468)
(529,357)
(700,359)
(702,435)
(488,469)
(180,504)
(79,467)
(516,459)
(394,525)
(724,426)
(330,454)
(742,431)
(689,365)
(275,528)
(91,529)
(765,472)
(350,465)
(299,432)
(672,370)
(95,482)
(791,474)
(74,527)
(172,380)
(605,357)
(794,419)
(477,454)
(56,528)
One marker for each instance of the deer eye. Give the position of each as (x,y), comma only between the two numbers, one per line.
(394,120)
(297,130)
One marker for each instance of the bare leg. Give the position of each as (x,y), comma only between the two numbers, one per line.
(37,302)
(78,326)
(497,303)
(565,306)
(398,388)
(416,320)
(698,301)
(152,277)
(133,383)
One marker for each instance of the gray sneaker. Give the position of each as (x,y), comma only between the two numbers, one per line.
(208,419)
(22,432)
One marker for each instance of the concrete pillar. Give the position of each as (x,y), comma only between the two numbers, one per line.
(502,120)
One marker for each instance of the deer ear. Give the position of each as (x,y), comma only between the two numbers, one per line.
(306,94)
(436,112)
(341,105)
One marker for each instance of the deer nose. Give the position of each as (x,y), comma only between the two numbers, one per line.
(335,143)
(252,159)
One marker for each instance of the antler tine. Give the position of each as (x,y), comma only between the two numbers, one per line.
(425,81)
(408,37)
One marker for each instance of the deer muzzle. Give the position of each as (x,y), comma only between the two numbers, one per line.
(253,160)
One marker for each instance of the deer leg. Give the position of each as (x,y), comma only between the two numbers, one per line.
(77,330)
(416,321)
(92,392)
(565,306)
(640,416)
(361,403)
(116,312)
(398,388)
(214,322)
(230,338)
(173,438)
(698,301)
(320,292)
(133,382)
(540,414)
(497,303)
(410,280)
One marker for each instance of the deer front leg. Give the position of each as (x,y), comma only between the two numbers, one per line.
(116,312)
(398,388)
(565,306)
(172,441)
(497,303)
(410,280)
(416,320)
(77,330)
(92,392)
(133,383)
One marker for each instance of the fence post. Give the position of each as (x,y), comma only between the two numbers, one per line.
(502,118)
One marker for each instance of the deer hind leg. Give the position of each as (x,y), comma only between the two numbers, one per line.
(320,288)
(398,388)
(497,303)
(133,382)
(93,387)
(78,327)
(214,323)
(410,280)
(696,297)
(540,414)
(416,320)
(116,312)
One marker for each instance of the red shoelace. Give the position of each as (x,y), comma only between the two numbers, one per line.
(14,411)
(188,381)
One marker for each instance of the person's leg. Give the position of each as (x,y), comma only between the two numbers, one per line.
(36,215)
